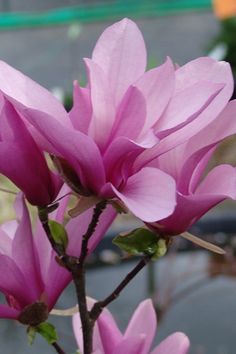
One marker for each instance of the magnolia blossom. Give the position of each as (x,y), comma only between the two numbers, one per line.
(30,277)
(137,338)
(123,119)
(187,164)
(22,161)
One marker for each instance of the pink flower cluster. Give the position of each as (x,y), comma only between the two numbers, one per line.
(141,139)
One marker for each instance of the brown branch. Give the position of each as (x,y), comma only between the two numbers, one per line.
(99,306)
(98,209)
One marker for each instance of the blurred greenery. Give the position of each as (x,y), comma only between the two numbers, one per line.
(227,36)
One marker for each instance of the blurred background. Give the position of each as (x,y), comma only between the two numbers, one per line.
(193,290)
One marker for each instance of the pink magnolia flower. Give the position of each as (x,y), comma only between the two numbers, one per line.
(124,118)
(187,164)
(30,277)
(137,338)
(22,161)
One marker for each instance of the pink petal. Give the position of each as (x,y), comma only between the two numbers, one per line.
(131,345)
(130,116)
(24,253)
(76,322)
(108,332)
(176,343)
(122,149)
(143,322)
(13,282)
(80,114)
(8,312)
(29,94)
(157,86)
(57,280)
(121,53)
(103,108)
(201,69)
(25,164)
(198,97)
(206,69)
(202,145)
(218,185)
(77,148)
(149,194)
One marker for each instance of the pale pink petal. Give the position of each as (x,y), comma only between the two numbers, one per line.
(103,109)
(208,69)
(131,115)
(142,322)
(8,312)
(149,194)
(188,104)
(6,243)
(108,331)
(220,183)
(131,345)
(29,94)
(201,69)
(80,114)
(157,86)
(176,343)
(77,329)
(198,150)
(121,53)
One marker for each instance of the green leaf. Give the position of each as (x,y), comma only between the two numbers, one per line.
(31,333)
(141,241)
(47,331)
(59,233)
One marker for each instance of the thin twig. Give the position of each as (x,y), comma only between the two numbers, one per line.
(58,349)
(99,306)
(98,209)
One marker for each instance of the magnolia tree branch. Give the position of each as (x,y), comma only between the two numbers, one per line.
(75,265)
(99,306)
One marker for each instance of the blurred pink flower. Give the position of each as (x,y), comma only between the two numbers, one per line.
(196,191)
(29,272)
(124,118)
(137,338)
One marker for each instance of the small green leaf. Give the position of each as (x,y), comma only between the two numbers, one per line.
(59,233)
(31,333)
(47,331)
(141,241)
